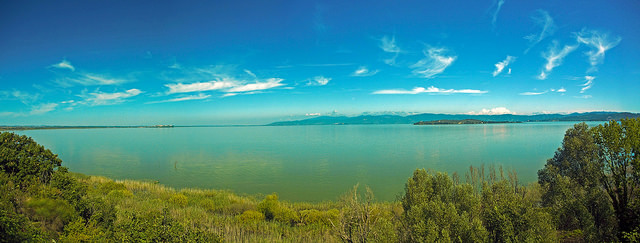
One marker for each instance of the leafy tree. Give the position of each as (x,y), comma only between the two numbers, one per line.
(436,210)
(619,150)
(510,216)
(571,185)
(592,181)
(26,161)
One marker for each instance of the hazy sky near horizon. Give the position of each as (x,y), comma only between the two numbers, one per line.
(253,62)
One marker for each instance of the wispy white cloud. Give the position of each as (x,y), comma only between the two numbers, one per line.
(8,113)
(388,44)
(542,19)
(89,79)
(533,93)
(64,64)
(542,75)
(43,108)
(436,61)
(560,90)
(492,111)
(229,94)
(250,73)
(175,65)
(24,97)
(316,65)
(599,43)
(587,85)
(498,4)
(583,96)
(312,114)
(318,81)
(363,72)
(222,79)
(431,90)
(554,58)
(259,85)
(101,98)
(501,65)
(243,93)
(184,98)
(200,86)
(67,79)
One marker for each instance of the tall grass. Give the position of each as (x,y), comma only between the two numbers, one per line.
(215,211)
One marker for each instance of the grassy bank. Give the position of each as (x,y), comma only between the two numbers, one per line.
(221,213)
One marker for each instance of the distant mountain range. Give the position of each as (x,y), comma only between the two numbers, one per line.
(411,119)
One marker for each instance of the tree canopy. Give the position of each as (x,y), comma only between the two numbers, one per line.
(26,161)
(592,181)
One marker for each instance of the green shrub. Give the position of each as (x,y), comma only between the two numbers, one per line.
(510,218)
(109,186)
(14,227)
(250,216)
(159,227)
(435,209)
(79,231)
(53,213)
(179,199)
(269,206)
(119,194)
(209,205)
(237,208)
(312,216)
(286,215)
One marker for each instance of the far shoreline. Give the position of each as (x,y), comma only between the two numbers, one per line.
(462,122)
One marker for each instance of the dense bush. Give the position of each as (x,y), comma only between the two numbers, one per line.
(437,210)
(25,161)
(592,182)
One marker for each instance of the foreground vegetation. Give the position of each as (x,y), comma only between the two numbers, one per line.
(587,192)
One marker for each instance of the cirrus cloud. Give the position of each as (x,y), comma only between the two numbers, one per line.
(599,43)
(533,93)
(64,64)
(435,62)
(554,58)
(501,65)
(388,44)
(102,98)
(43,108)
(200,86)
(587,85)
(363,72)
(318,81)
(258,85)
(544,20)
(431,90)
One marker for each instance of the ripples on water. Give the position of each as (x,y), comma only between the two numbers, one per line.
(301,163)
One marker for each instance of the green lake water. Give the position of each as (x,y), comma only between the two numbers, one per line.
(302,163)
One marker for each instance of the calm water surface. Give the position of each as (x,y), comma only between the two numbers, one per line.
(301,163)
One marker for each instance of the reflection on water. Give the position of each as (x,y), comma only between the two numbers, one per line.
(310,163)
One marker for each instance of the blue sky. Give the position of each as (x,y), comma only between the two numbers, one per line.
(254,62)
